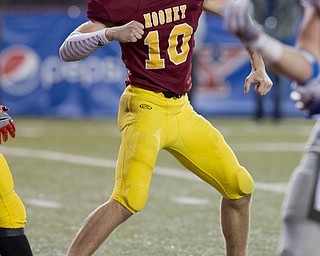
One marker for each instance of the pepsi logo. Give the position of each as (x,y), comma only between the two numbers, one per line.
(19,70)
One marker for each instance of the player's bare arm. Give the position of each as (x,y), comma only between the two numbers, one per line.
(305,94)
(91,35)
(300,63)
(258,75)
(309,37)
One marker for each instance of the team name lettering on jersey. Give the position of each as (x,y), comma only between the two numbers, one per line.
(168,15)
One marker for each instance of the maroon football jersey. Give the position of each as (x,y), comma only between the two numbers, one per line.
(161,60)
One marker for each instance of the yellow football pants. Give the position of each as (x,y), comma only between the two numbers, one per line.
(12,210)
(149,122)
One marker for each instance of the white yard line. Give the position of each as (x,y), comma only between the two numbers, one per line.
(268,147)
(191,200)
(110,163)
(42,203)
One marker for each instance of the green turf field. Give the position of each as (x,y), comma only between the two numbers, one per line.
(63,169)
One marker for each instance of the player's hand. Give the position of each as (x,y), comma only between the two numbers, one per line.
(307,97)
(6,125)
(260,79)
(239,22)
(128,33)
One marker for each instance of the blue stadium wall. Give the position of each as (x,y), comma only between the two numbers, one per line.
(34,81)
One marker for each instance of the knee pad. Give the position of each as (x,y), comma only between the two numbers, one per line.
(239,185)
(245,183)
(134,198)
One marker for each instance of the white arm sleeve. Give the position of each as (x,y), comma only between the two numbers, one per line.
(78,45)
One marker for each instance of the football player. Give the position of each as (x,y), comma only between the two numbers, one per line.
(157,40)
(13,240)
(301,210)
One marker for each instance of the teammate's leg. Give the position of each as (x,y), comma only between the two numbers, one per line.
(13,241)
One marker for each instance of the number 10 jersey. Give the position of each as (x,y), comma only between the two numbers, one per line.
(161,60)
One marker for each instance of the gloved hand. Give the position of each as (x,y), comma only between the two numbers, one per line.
(307,97)
(6,125)
(239,22)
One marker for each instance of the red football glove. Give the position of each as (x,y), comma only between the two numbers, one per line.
(6,125)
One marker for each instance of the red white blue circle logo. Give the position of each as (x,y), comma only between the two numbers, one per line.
(19,70)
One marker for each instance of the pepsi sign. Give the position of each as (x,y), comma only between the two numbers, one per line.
(19,69)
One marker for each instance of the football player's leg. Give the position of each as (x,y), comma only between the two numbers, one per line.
(138,152)
(300,233)
(137,156)
(204,151)
(13,240)
(140,144)
(97,227)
